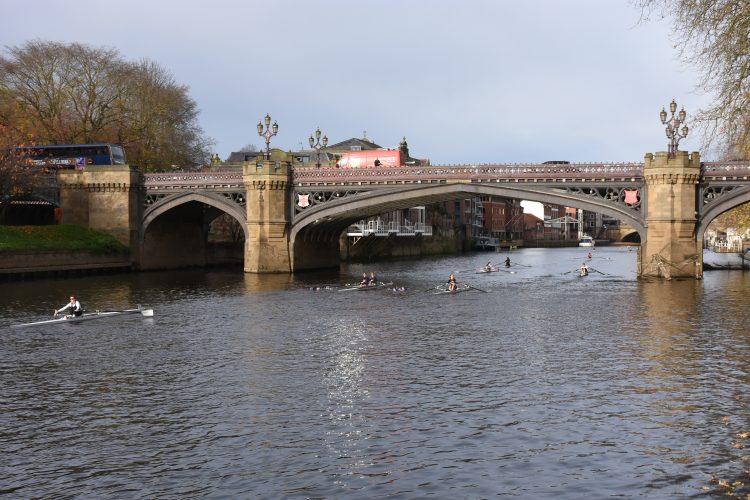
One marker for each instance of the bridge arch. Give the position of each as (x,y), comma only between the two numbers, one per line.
(174,231)
(324,223)
(727,202)
(215,200)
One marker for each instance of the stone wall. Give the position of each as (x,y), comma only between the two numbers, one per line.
(106,198)
(378,247)
(43,262)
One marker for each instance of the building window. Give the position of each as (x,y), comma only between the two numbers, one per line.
(355,148)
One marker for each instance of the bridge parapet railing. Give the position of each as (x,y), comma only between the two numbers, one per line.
(722,179)
(474,173)
(193,180)
(728,169)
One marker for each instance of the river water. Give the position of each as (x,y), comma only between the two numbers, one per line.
(540,384)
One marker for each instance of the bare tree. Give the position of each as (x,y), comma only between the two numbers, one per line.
(161,125)
(73,93)
(713,36)
(17,179)
(70,89)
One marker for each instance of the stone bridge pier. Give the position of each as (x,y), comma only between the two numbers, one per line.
(107,198)
(267,246)
(670,247)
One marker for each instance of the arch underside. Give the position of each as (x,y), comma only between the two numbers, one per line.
(216,200)
(711,210)
(328,220)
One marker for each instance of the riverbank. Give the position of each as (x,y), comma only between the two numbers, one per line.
(725,260)
(26,264)
(59,237)
(27,251)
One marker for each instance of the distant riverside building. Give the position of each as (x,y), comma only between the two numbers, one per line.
(489,221)
(533,228)
(560,223)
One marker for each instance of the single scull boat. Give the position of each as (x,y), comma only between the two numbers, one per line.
(148,313)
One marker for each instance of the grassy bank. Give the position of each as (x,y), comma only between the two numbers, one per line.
(64,237)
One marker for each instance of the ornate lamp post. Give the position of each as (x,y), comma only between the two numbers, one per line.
(315,143)
(673,126)
(270,132)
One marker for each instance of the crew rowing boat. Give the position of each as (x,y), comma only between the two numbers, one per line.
(362,288)
(485,270)
(442,290)
(147,313)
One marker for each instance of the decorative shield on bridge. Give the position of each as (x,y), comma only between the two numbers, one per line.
(303,200)
(631,196)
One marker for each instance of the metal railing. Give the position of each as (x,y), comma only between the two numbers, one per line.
(437,173)
(193,180)
(474,173)
(379,227)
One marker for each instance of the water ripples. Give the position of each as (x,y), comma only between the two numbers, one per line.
(546,386)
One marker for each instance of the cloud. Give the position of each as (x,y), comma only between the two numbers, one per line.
(465,82)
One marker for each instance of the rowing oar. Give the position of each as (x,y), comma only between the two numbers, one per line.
(148,313)
(477,289)
(597,271)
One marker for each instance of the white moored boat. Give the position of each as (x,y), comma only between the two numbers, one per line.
(586,241)
(148,313)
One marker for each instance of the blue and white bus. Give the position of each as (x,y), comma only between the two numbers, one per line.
(53,157)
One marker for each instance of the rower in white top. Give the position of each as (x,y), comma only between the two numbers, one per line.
(73,308)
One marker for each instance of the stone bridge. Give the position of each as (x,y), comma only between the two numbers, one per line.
(292,217)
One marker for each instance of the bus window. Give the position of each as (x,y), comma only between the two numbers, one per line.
(118,155)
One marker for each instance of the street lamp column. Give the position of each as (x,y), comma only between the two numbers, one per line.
(674,133)
(315,143)
(270,131)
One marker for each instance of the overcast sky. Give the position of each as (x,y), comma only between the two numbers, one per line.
(465,81)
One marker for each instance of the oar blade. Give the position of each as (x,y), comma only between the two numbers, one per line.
(148,313)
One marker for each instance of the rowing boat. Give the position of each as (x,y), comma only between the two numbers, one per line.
(148,313)
(362,288)
(440,290)
(485,270)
